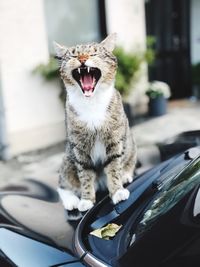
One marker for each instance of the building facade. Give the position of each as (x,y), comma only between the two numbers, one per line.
(31,113)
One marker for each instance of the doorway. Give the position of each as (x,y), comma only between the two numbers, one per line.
(169,22)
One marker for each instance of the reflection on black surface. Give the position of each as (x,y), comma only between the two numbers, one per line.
(26,252)
(32,188)
(170,195)
(34,208)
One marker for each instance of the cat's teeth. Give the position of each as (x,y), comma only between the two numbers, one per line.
(88,69)
(79,70)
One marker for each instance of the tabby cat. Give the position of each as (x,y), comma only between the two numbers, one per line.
(97,130)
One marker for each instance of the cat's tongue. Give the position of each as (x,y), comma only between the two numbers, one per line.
(87,82)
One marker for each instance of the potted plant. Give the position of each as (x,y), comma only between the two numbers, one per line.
(158,93)
(129,64)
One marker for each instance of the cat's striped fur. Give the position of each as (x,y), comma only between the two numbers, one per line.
(97,130)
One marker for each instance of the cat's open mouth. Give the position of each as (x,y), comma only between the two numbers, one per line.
(87,78)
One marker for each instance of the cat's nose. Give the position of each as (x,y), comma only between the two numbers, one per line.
(82,58)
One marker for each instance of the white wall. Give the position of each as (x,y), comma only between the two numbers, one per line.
(34,114)
(3,133)
(127,18)
(195,31)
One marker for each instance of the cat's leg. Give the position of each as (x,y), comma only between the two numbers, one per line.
(87,181)
(114,181)
(129,159)
(128,168)
(69,185)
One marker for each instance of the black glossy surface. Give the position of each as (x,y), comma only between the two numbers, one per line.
(156,222)
(34,231)
(26,252)
(33,226)
(33,207)
(178,144)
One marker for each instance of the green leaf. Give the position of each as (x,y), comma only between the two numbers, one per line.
(50,70)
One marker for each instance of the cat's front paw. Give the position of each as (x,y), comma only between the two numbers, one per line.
(127,178)
(85,204)
(69,199)
(120,195)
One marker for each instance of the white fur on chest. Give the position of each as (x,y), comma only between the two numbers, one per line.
(91,110)
(98,152)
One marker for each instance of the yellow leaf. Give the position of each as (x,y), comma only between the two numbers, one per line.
(107,231)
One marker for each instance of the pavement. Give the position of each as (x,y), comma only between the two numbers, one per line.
(182,116)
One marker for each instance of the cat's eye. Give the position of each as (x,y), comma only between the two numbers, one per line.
(67,57)
(75,56)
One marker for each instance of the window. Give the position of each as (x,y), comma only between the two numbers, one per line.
(71,22)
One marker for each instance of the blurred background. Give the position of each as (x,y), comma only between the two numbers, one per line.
(157,41)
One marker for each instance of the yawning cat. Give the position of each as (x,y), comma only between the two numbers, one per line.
(97,130)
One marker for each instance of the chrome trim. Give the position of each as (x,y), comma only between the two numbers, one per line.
(86,256)
(78,248)
(196,209)
(94,262)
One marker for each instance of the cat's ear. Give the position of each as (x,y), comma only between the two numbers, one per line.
(59,49)
(109,42)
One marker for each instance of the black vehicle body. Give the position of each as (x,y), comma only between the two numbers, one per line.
(160,227)
(178,143)
(160,222)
